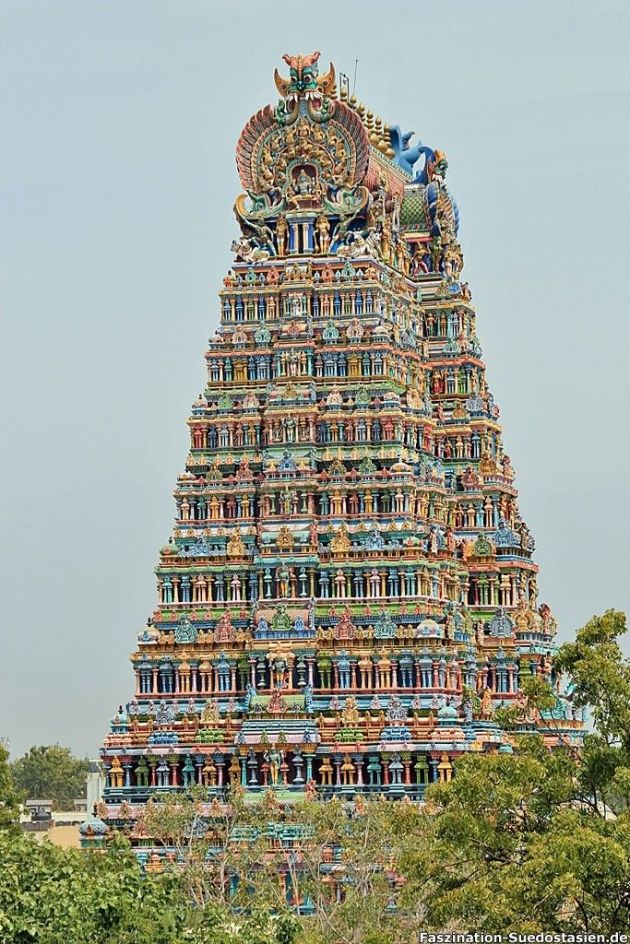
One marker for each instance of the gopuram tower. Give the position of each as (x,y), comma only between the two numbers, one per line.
(348,593)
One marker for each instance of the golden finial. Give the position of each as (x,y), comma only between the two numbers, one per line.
(372,135)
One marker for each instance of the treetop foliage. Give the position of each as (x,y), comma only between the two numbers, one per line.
(51,773)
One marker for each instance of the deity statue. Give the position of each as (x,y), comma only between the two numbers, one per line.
(435,250)
(347,771)
(210,713)
(486,705)
(357,244)
(274,758)
(280,672)
(303,185)
(350,714)
(284,578)
(248,251)
(116,773)
(323,233)
(209,773)
(326,771)
(234,771)
(282,229)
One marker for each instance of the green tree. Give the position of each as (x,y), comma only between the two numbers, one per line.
(350,870)
(600,676)
(55,896)
(539,840)
(341,872)
(51,773)
(223,860)
(222,857)
(51,895)
(10,797)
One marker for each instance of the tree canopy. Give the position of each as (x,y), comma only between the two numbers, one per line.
(10,796)
(51,773)
(54,896)
(538,840)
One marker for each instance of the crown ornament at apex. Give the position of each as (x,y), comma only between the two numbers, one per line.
(349,591)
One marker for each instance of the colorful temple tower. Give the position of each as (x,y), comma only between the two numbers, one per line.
(349,591)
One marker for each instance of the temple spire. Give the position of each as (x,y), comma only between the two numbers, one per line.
(349,591)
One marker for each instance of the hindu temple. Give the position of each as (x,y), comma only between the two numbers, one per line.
(349,592)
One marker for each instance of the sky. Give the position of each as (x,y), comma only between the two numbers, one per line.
(117,175)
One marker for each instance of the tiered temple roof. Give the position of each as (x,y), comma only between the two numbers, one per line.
(349,592)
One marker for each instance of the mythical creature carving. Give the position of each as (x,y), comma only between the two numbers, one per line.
(304,79)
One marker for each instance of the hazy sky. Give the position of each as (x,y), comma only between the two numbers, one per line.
(119,122)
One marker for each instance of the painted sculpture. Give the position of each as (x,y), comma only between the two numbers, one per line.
(348,593)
